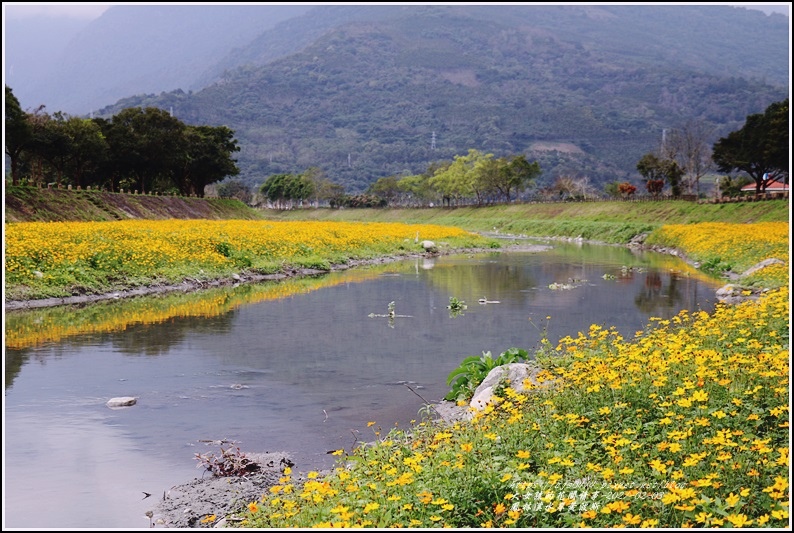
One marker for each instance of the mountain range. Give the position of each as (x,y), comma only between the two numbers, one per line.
(366,91)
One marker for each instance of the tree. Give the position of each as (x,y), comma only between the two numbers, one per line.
(235,189)
(18,133)
(88,148)
(730,187)
(148,147)
(657,171)
(283,189)
(387,188)
(321,185)
(689,148)
(516,175)
(570,188)
(760,148)
(50,147)
(626,189)
(417,189)
(208,157)
(461,178)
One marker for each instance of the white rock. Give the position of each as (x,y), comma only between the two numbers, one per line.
(122,401)
(514,374)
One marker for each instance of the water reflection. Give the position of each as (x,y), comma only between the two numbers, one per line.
(297,365)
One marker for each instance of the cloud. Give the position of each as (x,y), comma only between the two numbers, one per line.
(79,11)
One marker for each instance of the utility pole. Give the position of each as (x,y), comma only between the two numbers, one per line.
(433,141)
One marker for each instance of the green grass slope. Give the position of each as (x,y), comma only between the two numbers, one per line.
(30,204)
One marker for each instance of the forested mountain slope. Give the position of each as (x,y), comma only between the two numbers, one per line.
(586,90)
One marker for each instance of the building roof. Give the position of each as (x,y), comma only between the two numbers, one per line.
(772,185)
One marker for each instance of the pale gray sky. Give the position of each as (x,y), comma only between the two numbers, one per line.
(54,9)
(91,11)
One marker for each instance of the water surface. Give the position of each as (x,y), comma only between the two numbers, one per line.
(300,366)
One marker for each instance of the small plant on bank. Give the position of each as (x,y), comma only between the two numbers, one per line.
(232,462)
(473,370)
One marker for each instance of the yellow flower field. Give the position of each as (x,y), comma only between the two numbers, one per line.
(65,257)
(719,245)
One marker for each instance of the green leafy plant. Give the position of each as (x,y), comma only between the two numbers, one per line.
(715,265)
(473,370)
(456,307)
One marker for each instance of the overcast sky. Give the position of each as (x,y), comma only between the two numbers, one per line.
(90,11)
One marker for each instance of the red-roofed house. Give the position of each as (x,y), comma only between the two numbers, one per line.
(773,186)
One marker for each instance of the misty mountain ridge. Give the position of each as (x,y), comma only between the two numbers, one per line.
(368,91)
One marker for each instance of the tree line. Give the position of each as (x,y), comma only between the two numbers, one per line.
(759,149)
(476,177)
(146,150)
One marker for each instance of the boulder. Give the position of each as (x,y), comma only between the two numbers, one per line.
(763,264)
(122,401)
(513,375)
(429,246)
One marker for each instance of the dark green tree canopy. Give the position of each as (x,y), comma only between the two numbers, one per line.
(144,149)
(18,132)
(760,148)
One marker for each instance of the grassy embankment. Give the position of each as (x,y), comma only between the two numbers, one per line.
(686,424)
(611,222)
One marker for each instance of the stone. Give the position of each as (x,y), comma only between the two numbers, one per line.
(763,264)
(122,401)
(429,245)
(513,374)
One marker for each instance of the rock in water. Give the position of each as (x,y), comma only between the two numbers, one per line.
(122,401)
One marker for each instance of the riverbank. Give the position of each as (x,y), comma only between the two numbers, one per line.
(211,501)
(193,284)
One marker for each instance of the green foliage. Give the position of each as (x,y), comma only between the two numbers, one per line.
(732,186)
(17,133)
(240,258)
(715,265)
(473,370)
(759,148)
(657,171)
(147,150)
(283,190)
(235,189)
(456,307)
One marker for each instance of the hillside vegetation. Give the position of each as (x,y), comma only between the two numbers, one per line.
(583,90)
